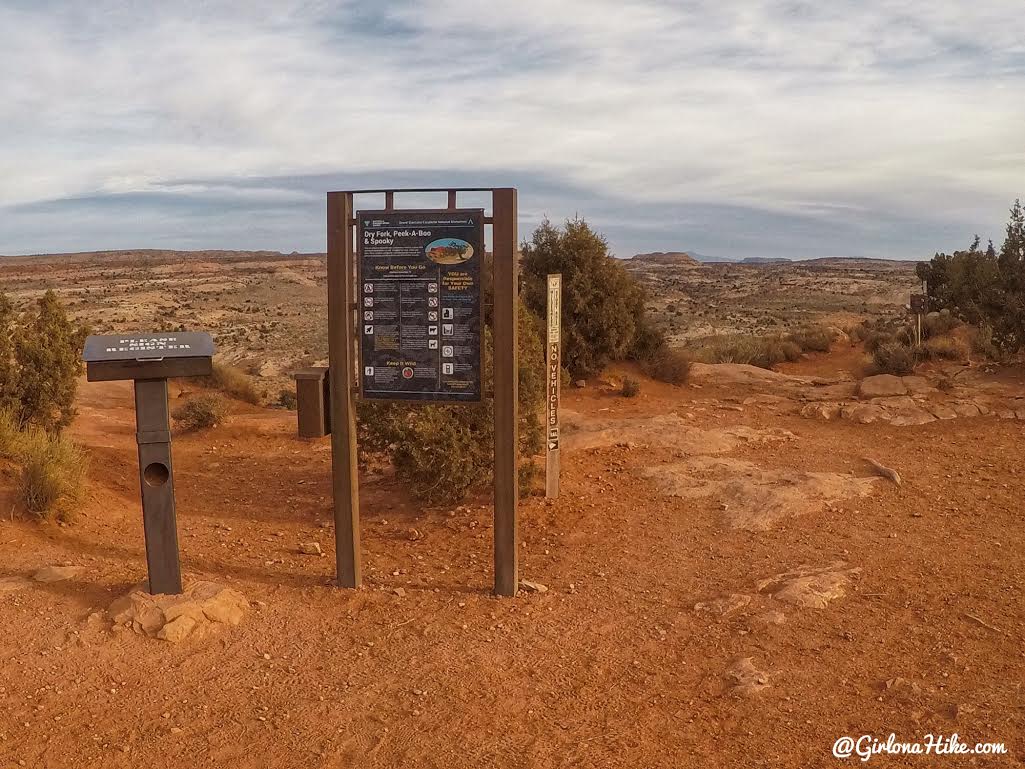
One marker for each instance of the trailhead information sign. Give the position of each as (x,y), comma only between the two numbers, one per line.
(419,306)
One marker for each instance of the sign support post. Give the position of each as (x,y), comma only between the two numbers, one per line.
(506,378)
(553,367)
(156,477)
(341,287)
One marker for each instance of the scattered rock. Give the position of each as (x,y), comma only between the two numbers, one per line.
(723,605)
(863,413)
(966,408)
(908,416)
(881,386)
(808,587)
(580,383)
(399,591)
(945,412)
(57,573)
(310,548)
(821,410)
(202,607)
(743,678)
(533,587)
(769,617)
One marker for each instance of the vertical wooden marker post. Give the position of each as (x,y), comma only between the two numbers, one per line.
(506,378)
(341,287)
(553,365)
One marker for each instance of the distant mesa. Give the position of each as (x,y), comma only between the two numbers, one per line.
(693,259)
(678,258)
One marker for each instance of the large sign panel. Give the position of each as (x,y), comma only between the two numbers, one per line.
(419,275)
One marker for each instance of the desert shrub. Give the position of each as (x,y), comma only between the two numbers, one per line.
(813,339)
(40,360)
(984,287)
(761,351)
(945,348)
(876,339)
(667,365)
(602,306)
(893,358)
(10,436)
(442,452)
(937,324)
(53,470)
(288,399)
(233,382)
(631,388)
(200,412)
(981,341)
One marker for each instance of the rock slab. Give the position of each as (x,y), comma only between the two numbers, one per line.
(204,606)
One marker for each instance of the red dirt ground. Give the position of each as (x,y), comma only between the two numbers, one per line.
(611,667)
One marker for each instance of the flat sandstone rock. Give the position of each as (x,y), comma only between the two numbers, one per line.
(881,386)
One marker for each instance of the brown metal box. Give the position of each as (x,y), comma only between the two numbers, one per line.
(313,401)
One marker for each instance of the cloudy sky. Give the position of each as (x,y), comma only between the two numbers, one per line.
(887,128)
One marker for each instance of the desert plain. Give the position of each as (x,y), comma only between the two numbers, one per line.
(727,578)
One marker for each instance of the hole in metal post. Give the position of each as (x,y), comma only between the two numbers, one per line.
(156,474)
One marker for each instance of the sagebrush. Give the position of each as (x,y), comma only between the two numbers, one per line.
(200,412)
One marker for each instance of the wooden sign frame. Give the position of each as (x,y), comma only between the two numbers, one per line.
(342,319)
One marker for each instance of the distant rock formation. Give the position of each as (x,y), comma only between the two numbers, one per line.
(675,258)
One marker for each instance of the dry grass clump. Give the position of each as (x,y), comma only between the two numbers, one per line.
(813,338)
(764,351)
(945,348)
(233,382)
(666,365)
(52,469)
(938,324)
(894,358)
(201,412)
(631,388)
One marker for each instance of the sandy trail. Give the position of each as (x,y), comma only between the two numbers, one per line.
(613,666)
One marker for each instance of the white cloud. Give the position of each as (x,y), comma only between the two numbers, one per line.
(911,110)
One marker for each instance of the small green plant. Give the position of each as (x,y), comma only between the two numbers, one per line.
(894,358)
(201,412)
(287,399)
(631,388)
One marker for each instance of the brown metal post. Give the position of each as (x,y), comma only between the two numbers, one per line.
(153,434)
(341,352)
(506,379)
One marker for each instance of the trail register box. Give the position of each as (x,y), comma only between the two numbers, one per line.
(419,304)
